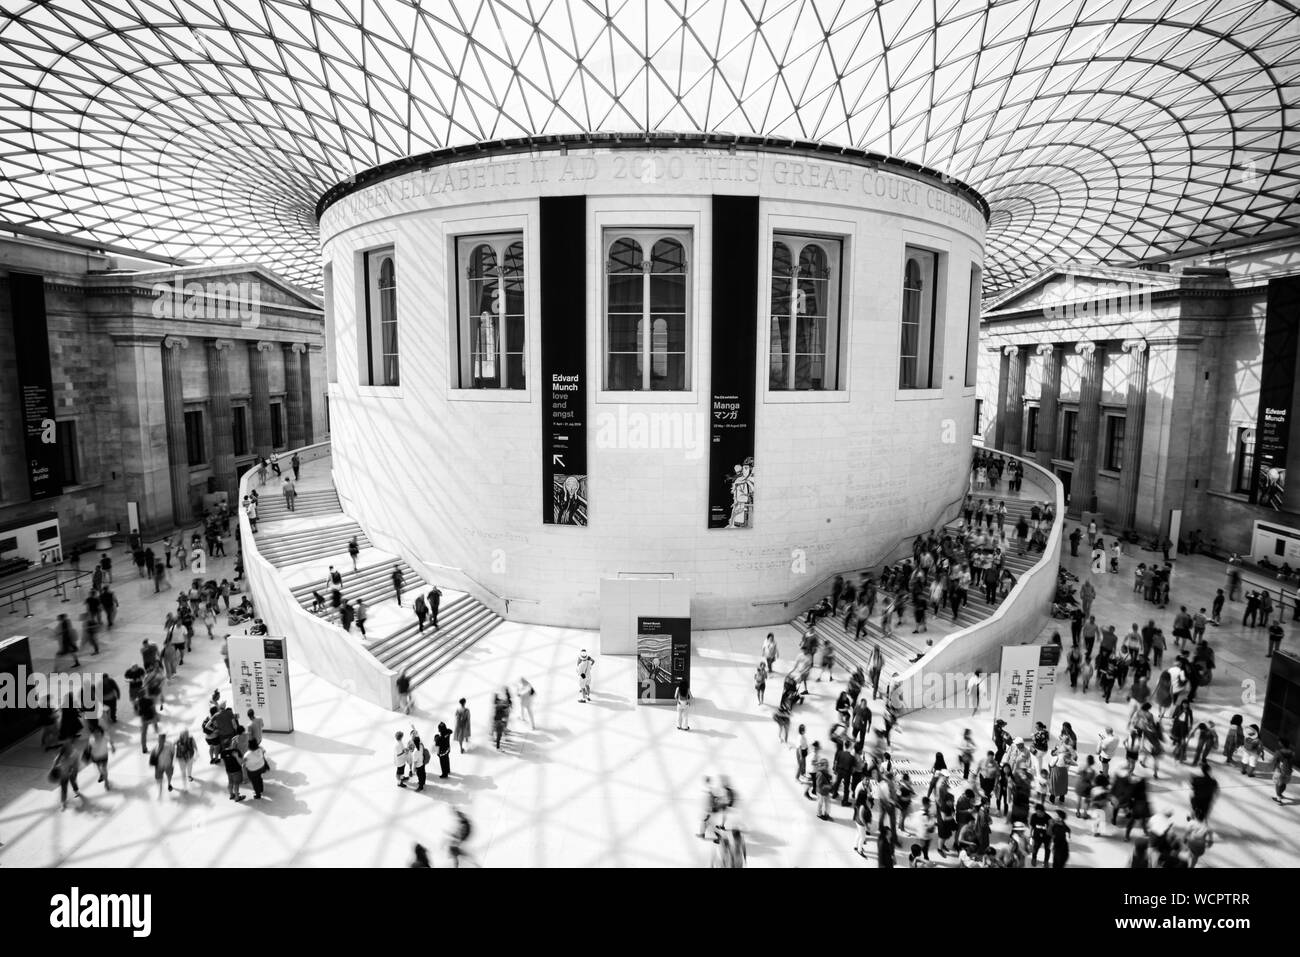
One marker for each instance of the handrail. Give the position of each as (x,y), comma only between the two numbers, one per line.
(504,599)
(880,560)
(50,582)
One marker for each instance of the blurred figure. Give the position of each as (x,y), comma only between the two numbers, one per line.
(526,694)
(457,836)
(421,858)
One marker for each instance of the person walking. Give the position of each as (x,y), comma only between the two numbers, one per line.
(163,761)
(585,664)
(769,651)
(683,698)
(290,493)
(421,611)
(397,583)
(296,464)
(435,599)
(353,551)
(462,726)
(186,750)
(64,770)
(526,694)
(1283,766)
(442,744)
(233,762)
(760,680)
(404,692)
(1275,636)
(99,748)
(361,614)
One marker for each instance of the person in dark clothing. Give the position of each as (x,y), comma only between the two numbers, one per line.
(435,599)
(1074,541)
(346,614)
(1040,825)
(1204,790)
(843,765)
(397,583)
(442,744)
(1060,850)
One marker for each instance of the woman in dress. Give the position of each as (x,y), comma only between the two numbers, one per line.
(462,726)
(683,698)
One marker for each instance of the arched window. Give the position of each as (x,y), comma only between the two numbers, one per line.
(378,349)
(920,347)
(646,315)
(490,330)
(805,346)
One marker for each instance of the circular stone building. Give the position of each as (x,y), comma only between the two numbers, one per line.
(745,363)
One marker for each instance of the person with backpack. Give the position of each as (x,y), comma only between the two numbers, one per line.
(419,759)
(186,750)
(585,664)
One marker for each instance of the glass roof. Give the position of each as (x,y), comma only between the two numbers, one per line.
(1107,130)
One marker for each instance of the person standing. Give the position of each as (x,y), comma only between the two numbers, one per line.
(683,698)
(585,664)
(421,611)
(296,464)
(462,726)
(769,651)
(435,599)
(442,744)
(1086,595)
(760,681)
(397,583)
(1275,635)
(1216,607)
(290,493)
(1283,765)
(1060,849)
(233,763)
(419,758)
(346,614)
(401,755)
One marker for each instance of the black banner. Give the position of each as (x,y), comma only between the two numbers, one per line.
(735,341)
(564,359)
(35,386)
(663,657)
(1276,392)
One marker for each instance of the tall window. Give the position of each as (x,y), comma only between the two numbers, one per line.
(979,416)
(277,425)
(1245,460)
(1069,433)
(973,327)
(1114,442)
(490,310)
(239,429)
(379,357)
(65,433)
(195,452)
(646,311)
(1031,429)
(916,359)
(805,345)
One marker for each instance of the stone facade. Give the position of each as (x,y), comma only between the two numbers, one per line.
(107,321)
(1181,356)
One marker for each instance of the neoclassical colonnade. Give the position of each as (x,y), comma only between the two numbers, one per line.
(1009,429)
(297,403)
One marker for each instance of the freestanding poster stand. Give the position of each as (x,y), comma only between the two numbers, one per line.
(1027,687)
(649,615)
(259,679)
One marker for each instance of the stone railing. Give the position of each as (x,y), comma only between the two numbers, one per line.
(1018,620)
(318,645)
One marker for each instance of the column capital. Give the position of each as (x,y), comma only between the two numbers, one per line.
(175,342)
(264,346)
(1045,349)
(298,347)
(1085,348)
(1134,346)
(1010,350)
(221,345)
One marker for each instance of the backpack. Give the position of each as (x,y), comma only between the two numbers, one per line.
(425,755)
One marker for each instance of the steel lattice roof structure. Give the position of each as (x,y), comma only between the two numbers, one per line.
(1103,130)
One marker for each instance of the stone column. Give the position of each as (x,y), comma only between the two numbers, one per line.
(1134,419)
(174,409)
(1083,487)
(1014,411)
(142,421)
(1000,425)
(260,399)
(219,414)
(1047,405)
(308,397)
(293,393)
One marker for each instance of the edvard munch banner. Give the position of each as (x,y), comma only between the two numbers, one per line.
(735,341)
